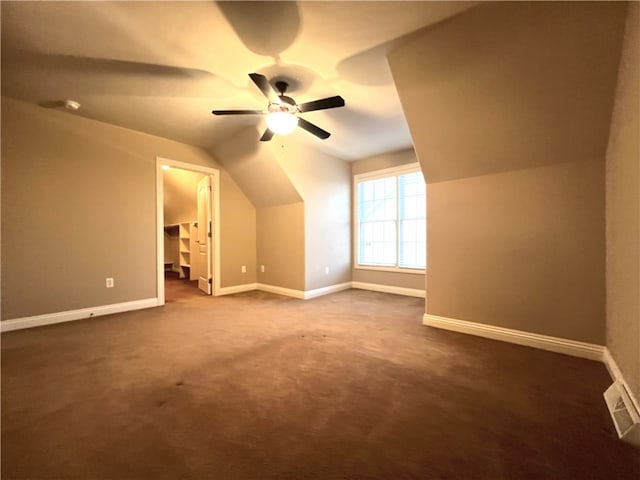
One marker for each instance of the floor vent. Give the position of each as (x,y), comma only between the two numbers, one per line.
(624,415)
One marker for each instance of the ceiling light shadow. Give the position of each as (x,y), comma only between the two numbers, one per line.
(265,28)
(88,75)
(299,79)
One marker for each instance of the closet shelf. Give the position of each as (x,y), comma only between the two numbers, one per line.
(183,237)
(172,229)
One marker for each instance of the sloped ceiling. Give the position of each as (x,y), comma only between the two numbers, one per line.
(536,89)
(180,195)
(256,170)
(161,67)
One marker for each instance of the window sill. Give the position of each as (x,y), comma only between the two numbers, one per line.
(413,271)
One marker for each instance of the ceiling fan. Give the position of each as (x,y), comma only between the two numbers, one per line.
(282,112)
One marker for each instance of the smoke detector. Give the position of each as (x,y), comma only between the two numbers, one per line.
(71,105)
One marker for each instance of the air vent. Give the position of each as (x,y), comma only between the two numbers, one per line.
(623,413)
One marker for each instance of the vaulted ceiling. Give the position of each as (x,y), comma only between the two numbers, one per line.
(161,67)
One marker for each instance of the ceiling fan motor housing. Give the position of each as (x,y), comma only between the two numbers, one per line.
(288,105)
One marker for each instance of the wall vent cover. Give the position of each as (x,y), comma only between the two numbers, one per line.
(623,413)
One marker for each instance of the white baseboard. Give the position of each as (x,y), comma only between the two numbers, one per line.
(287,292)
(376,287)
(544,342)
(247,287)
(616,376)
(71,315)
(305,295)
(318,292)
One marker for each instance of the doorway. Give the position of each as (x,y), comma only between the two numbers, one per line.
(188,246)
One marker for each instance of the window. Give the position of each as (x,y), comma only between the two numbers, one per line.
(391,219)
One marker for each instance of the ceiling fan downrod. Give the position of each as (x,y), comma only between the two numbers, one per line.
(282,86)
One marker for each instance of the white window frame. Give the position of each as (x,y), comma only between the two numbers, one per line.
(375,175)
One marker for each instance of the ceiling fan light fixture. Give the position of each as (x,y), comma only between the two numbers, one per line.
(282,123)
(282,111)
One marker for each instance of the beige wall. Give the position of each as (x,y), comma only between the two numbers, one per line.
(78,200)
(324,182)
(254,168)
(286,172)
(238,239)
(280,245)
(623,212)
(380,162)
(172,250)
(511,135)
(414,281)
(521,250)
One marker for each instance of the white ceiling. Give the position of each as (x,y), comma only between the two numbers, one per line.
(161,67)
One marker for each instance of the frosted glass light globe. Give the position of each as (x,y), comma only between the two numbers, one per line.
(282,123)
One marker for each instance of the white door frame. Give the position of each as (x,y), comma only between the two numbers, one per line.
(215,211)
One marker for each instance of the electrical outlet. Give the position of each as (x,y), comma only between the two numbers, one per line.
(262,268)
(326,270)
(243,269)
(109,282)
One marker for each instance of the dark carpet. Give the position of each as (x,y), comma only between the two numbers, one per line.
(180,289)
(259,386)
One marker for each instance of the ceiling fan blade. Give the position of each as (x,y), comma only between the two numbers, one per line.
(266,136)
(237,112)
(314,129)
(331,102)
(265,87)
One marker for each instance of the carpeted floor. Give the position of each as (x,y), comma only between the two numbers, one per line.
(258,386)
(180,289)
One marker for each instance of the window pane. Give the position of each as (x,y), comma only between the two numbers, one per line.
(413,245)
(377,200)
(366,190)
(377,243)
(412,196)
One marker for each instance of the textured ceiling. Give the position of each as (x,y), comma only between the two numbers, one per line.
(161,67)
